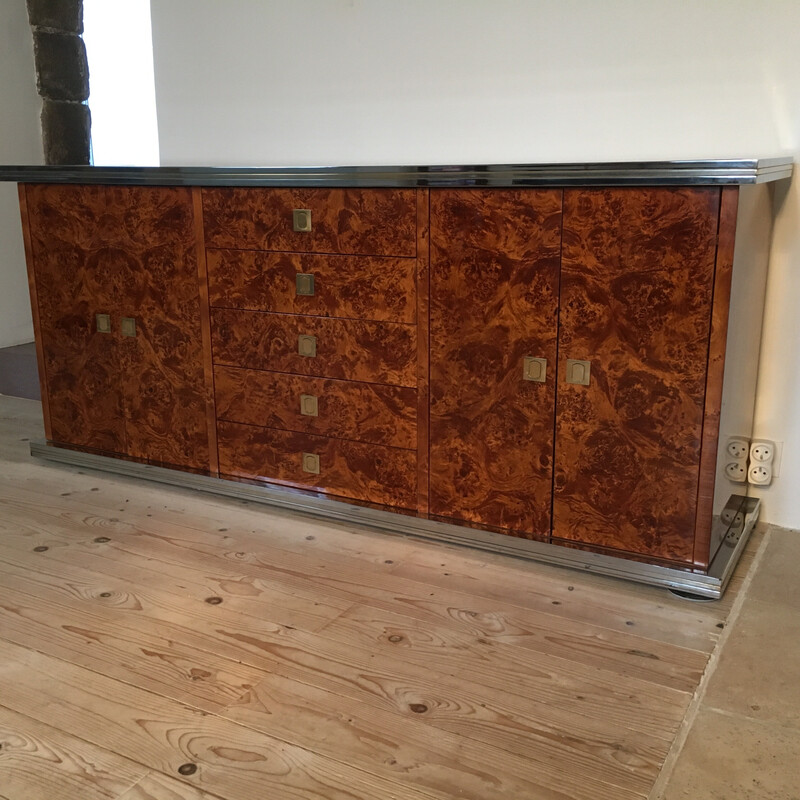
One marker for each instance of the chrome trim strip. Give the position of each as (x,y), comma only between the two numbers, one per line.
(397,523)
(634,173)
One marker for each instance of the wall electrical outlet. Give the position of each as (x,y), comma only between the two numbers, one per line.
(760,474)
(762,451)
(738,447)
(736,471)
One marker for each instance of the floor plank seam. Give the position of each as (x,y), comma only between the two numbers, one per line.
(660,785)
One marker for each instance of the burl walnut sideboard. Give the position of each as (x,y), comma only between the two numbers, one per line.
(543,360)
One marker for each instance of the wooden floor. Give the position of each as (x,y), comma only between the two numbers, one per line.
(157,643)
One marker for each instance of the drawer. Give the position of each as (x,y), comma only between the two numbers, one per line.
(367,472)
(375,352)
(360,287)
(380,222)
(365,412)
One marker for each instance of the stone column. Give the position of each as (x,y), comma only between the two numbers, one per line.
(62,79)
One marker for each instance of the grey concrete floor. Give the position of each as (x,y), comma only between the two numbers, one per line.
(744,730)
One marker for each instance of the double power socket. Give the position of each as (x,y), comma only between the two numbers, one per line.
(753,462)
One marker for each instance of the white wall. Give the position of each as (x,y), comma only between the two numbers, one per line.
(474,81)
(20,143)
(124,127)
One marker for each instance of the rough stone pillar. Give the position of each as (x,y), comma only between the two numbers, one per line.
(62,79)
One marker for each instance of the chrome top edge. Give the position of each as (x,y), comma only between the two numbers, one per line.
(642,173)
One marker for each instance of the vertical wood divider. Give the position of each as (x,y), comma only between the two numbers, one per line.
(205,331)
(729,204)
(37,332)
(423,349)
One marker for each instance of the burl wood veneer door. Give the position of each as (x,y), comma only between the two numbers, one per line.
(69,228)
(636,291)
(494,301)
(153,245)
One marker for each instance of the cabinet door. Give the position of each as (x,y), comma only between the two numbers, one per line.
(153,245)
(494,302)
(75,281)
(636,286)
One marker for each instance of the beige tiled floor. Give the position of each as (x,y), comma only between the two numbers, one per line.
(744,741)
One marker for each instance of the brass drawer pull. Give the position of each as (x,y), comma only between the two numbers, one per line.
(128,326)
(309,406)
(311,463)
(578,372)
(307,345)
(103,322)
(534,369)
(304,284)
(301,220)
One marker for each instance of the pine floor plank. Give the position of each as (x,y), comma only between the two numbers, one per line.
(652,612)
(143,656)
(595,645)
(39,762)
(157,786)
(558,693)
(444,763)
(231,759)
(135,558)
(340,663)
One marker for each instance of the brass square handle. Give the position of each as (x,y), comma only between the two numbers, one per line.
(128,326)
(307,345)
(309,405)
(534,369)
(103,322)
(301,220)
(304,284)
(311,463)
(578,372)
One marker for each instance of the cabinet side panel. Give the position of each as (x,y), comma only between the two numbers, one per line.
(494,302)
(153,244)
(75,281)
(714,378)
(636,287)
(37,327)
(748,287)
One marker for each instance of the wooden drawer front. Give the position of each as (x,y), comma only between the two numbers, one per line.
(365,412)
(361,287)
(379,222)
(384,475)
(375,352)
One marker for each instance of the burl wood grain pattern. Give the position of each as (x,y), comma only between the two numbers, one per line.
(378,222)
(375,352)
(205,330)
(127,252)
(360,287)
(723,274)
(364,412)
(152,247)
(69,229)
(636,290)
(374,474)
(494,300)
(423,348)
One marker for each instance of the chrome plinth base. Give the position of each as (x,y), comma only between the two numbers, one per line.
(710,585)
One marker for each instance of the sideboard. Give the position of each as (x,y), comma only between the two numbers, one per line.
(545,360)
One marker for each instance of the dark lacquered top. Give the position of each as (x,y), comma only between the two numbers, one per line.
(642,173)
